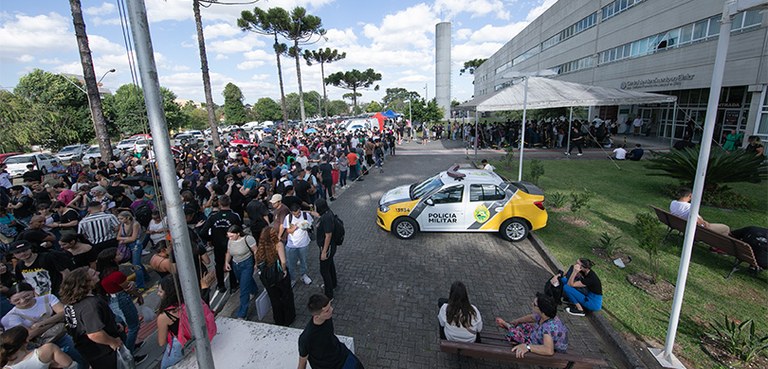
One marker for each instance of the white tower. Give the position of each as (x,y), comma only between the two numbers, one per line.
(443,67)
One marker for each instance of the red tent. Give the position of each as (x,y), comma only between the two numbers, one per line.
(381,119)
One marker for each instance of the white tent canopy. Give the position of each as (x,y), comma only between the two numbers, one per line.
(544,93)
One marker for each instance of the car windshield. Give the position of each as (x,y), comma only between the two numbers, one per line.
(127,142)
(69,149)
(93,150)
(20,159)
(420,189)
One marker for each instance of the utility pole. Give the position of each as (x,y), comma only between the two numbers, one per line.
(137,15)
(89,78)
(206,77)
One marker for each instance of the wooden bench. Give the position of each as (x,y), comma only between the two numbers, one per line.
(496,347)
(741,250)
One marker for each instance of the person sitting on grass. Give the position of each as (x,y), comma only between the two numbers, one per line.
(459,320)
(636,154)
(581,287)
(540,332)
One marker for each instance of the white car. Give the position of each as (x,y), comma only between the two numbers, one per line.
(17,164)
(250,125)
(92,152)
(140,145)
(126,144)
(198,134)
(71,152)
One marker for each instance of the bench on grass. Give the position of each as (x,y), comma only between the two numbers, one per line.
(741,250)
(495,346)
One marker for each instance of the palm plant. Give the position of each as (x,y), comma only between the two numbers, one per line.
(723,167)
(269,23)
(323,56)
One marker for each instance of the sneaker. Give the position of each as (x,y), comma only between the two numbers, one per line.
(138,359)
(332,198)
(567,154)
(144,252)
(305,278)
(574,311)
(579,154)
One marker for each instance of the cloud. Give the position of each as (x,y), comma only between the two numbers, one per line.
(539,10)
(251,64)
(100,45)
(218,30)
(103,9)
(489,33)
(26,58)
(242,44)
(410,27)
(35,35)
(449,9)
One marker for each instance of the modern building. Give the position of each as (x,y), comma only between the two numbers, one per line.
(656,46)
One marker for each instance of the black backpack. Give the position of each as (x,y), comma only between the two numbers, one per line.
(143,214)
(337,237)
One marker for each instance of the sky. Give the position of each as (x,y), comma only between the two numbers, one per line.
(394,37)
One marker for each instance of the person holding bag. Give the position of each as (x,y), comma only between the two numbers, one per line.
(239,258)
(43,318)
(270,257)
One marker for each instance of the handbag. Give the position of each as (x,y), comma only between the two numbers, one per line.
(124,253)
(52,334)
(125,359)
(270,275)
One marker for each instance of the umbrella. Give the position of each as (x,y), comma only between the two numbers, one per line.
(310,131)
(380,117)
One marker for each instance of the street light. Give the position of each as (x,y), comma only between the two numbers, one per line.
(525,76)
(80,88)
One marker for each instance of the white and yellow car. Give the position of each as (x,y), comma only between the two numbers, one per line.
(463,200)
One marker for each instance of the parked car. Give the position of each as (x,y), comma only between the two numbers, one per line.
(17,164)
(126,144)
(198,134)
(140,145)
(92,152)
(72,152)
(7,155)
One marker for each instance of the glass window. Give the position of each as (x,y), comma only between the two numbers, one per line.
(475,193)
(738,21)
(714,26)
(762,128)
(485,192)
(672,37)
(686,33)
(700,29)
(449,195)
(752,17)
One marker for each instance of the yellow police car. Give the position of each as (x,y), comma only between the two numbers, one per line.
(463,200)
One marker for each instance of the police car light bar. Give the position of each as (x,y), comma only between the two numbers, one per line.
(453,172)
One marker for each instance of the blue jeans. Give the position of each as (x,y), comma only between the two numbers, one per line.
(136,248)
(123,307)
(294,254)
(590,301)
(173,353)
(66,344)
(248,287)
(342,178)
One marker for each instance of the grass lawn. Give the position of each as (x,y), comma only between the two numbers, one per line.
(619,195)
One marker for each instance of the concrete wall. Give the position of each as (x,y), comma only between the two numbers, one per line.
(443,67)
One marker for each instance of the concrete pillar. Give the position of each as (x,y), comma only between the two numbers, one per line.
(443,67)
(755,107)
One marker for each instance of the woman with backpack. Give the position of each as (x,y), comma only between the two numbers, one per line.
(270,257)
(239,257)
(171,301)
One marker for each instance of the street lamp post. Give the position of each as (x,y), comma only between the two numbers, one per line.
(82,89)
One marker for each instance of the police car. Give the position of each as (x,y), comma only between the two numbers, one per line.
(463,200)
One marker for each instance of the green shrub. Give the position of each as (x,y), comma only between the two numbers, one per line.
(536,171)
(557,199)
(648,238)
(723,167)
(580,200)
(725,197)
(739,339)
(609,243)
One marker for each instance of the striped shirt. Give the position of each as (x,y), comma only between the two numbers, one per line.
(99,227)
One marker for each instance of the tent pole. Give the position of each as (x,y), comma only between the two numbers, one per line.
(477,133)
(674,121)
(570,121)
(522,132)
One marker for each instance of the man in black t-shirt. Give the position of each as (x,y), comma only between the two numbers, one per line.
(215,231)
(325,229)
(318,344)
(22,205)
(326,172)
(43,271)
(582,287)
(42,240)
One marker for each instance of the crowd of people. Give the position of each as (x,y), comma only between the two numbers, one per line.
(81,243)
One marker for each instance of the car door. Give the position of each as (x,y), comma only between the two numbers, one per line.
(443,210)
(486,206)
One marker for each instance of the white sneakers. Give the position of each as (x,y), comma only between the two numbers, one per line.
(305,278)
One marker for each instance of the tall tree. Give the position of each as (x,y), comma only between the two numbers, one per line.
(373,107)
(337,107)
(234,110)
(129,113)
(206,77)
(354,80)
(89,76)
(322,57)
(302,29)
(471,65)
(266,109)
(397,98)
(269,23)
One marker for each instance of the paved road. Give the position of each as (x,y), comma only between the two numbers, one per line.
(388,287)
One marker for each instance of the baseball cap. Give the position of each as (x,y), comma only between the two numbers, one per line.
(276,198)
(20,246)
(284,172)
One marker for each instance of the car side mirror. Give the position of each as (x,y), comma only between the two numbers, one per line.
(429,202)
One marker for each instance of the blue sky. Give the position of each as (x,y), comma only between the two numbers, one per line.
(395,38)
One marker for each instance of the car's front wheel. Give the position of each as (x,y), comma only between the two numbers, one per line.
(404,228)
(514,229)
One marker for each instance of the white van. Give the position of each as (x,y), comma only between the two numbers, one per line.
(17,164)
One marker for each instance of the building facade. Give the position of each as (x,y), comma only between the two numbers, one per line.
(658,46)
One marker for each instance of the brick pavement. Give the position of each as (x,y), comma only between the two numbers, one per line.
(388,287)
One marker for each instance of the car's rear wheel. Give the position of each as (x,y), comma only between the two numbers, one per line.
(404,228)
(514,229)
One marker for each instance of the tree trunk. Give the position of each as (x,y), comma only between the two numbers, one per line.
(325,95)
(297,56)
(209,106)
(354,98)
(282,88)
(91,87)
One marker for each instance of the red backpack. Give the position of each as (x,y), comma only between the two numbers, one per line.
(185,331)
